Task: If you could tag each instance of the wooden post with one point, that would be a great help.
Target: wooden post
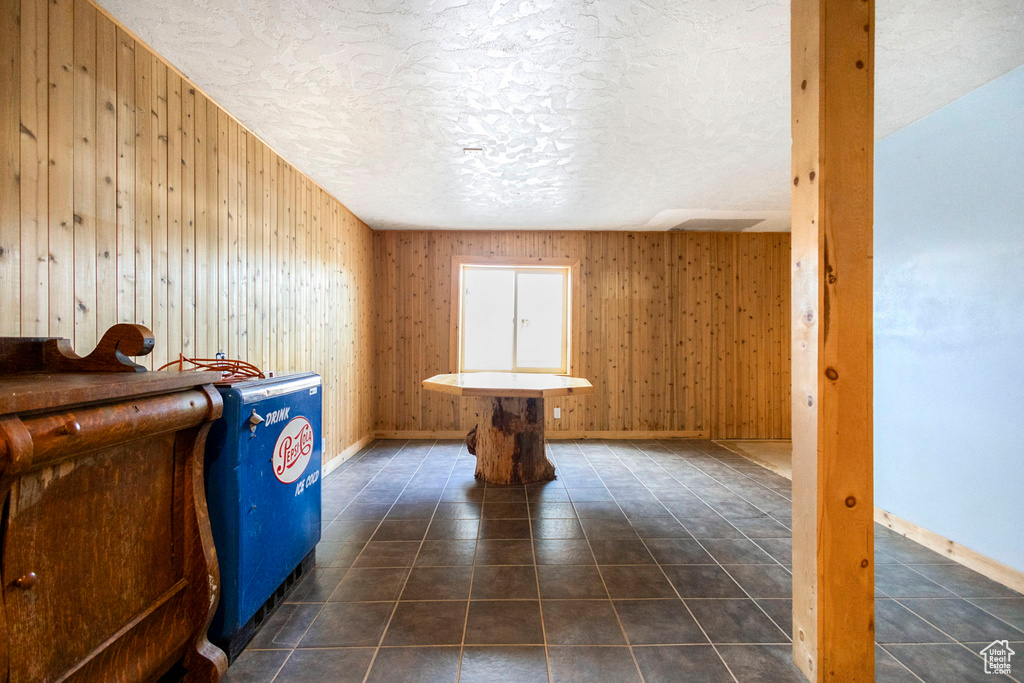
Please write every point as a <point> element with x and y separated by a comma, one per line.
<point>833,139</point>
<point>508,441</point>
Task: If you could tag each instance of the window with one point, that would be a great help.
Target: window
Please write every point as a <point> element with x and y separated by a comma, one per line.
<point>513,317</point>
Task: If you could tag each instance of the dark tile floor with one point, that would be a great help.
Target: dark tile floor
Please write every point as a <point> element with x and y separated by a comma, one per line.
<point>645,560</point>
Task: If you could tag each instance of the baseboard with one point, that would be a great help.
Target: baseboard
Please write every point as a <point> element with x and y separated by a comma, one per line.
<point>336,461</point>
<point>552,435</point>
<point>634,434</point>
<point>986,566</point>
<point>754,457</point>
<point>459,434</point>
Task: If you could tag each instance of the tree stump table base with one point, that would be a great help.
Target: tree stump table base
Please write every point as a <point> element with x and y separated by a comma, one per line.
<point>508,441</point>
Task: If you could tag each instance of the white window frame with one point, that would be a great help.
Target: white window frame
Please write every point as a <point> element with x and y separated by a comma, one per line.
<point>460,264</point>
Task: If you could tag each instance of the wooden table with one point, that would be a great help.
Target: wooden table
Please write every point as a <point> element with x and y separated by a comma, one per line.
<point>508,439</point>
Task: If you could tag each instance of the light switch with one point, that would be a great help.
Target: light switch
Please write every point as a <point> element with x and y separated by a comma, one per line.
<point>558,412</point>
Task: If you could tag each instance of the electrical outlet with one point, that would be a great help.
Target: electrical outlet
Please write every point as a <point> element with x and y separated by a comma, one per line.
<point>558,413</point>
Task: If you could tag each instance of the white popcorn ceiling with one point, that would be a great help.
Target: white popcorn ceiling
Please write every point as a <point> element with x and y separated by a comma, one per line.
<point>597,115</point>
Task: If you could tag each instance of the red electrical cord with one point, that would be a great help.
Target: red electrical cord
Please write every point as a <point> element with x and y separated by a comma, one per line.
<point>230,370</point>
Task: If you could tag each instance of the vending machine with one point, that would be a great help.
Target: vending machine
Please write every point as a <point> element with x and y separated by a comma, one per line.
<point>263,494</point>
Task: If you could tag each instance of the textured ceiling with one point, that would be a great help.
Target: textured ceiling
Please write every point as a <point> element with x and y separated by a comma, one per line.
<point>592,115</point>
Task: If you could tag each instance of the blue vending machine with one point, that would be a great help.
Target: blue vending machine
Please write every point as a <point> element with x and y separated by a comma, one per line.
<point>263,494</point>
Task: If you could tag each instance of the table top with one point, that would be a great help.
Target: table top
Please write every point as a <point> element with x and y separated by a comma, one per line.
<point>508,384</point>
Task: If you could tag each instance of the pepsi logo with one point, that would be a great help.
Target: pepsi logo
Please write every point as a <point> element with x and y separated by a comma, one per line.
<point>293,450</point>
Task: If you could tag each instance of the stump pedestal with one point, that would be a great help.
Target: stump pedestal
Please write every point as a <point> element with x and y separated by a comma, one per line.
<point>508,441</point>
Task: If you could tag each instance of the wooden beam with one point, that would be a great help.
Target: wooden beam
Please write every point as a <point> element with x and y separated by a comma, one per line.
<point>833,139</point>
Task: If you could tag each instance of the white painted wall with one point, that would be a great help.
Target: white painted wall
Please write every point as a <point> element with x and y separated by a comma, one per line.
<point>949,321</point>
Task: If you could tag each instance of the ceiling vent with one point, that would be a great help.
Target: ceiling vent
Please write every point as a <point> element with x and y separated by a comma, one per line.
<point>716,224</point>
<point>720,220</point>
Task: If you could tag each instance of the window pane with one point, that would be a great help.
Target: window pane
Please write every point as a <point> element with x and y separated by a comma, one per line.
<point>489,316</point>
<point>540,335</point>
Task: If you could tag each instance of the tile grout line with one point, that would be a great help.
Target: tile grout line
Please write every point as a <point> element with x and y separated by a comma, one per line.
<point>472,571</point>
<point>969,601</point>
<point>694,457</point>
<point>634,564</point>
<point>726,520</point>
<point>741,473</point>
<point>956,641</point>
<point>324,604</point>
<point>743,533</point>
<point>887,596</point>
<point>956,596</point>
<point>911,567</point>
<point>657,563</point>
<point>615,611</point>
<point>752,539</point>
<point>412,563</point>
<point>896,659</point>
<point>553,646</point>
<point>536,570</point>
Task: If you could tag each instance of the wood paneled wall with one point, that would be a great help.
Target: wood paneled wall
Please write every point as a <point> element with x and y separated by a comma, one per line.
<point>128,195</point>
<point>679,332</point>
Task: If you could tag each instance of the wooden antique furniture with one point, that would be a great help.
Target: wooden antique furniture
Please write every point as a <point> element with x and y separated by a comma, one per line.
<point>508,440</point>
<point>108,569</point>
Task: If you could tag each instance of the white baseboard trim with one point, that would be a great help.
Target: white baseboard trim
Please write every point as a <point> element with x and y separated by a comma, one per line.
<point>336,461</point>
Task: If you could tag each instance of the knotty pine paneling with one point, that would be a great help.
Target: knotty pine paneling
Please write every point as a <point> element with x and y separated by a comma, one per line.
<point>126,194</point>
<point>679,332</point>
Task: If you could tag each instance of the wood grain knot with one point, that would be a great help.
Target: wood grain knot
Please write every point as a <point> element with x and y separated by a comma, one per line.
<point>27,581</point>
